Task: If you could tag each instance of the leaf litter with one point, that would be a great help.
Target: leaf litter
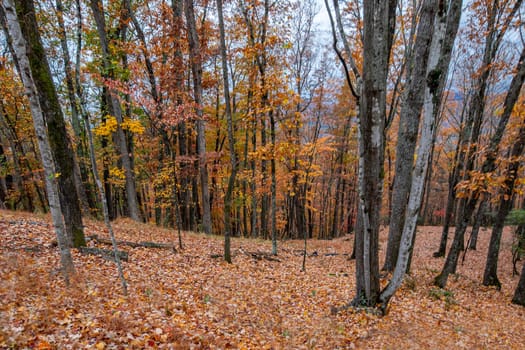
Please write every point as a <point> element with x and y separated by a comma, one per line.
<point>190,299</point>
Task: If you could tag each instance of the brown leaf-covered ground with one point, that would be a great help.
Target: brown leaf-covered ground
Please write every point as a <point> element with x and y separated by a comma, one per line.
<point>191,300</point>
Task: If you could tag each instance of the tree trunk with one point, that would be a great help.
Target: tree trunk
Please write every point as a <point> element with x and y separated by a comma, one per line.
<point>519,250</point>
<point>78,167</point>
<point>519,293</point>
<point>409,127</point>
<point>104,143</point>
<point>80,99</point>
<point>196,68</point>
<point>3,184</point>
<point>449,210</point>
<point>371,146</point>
<point>339,192</point>
<point>473,240</point>
<point>233,158</point>
<point>428,186</point>
<point>21,48</point>
<point>105,210</point>
<point>263,220</point>
<point>58,138</point>
<point>426,43</point>
<point>377,39</point>
<point>116,109</point>
<point>262,63</point>
<point>488,166</point>
<point>273,187</point>
<point>184,195</point>
<point>490,277</point>
<point>253,186</point>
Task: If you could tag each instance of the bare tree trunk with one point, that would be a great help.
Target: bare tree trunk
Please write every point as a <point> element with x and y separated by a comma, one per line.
<point>58,138</point>
<point>488,165</point>
<point>273,187</point>
<point>233,158</point>
<point>131,192</point>
<point>21,49</point>
<point>183,193</point>
<point>430,35</point>
<point>3,184</point>
<point>519,293</point>
<point>80,100</point>
<point>196,68</point>
<point>339,189</point>
<point>490,277</point>
<point>372,114</point>
<point>409,127</point>
<point>104,202</point>
<point>473,240</point>
<point>377,40</point>
<point>78,167</point>
<point>253,187</point>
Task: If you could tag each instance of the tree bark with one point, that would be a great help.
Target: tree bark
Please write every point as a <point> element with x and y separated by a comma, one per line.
<point>58,138</point>
<point>408,129</point>
<point>426,43</point>
<point>21,48</point>
<point>233,158</point>
<point>473,240</point>
<point>196,68</point>
<point>519,249</point>
<point>259,43</point>
<point>78,166</point>
<point>117,257</point>
<point>273,187</point>
<point>182,193</point>
<point>519,293</point>
<point>488,166</point>
<point>116,109</point>
<point>372,114</point>
<point>3,184</point>
<point>490,277</point>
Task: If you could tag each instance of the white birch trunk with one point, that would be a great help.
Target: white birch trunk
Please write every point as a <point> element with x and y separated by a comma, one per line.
<point>414,204</point>
<point>420,170</point>
<point>364,215</point>
<point>105,209</point>
<point>19,45</point>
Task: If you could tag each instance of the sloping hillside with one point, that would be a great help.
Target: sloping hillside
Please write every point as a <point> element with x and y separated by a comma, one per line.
<point>191,299</point>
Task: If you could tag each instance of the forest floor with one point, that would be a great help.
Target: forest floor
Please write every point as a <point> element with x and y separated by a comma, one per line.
<point>191,299</point>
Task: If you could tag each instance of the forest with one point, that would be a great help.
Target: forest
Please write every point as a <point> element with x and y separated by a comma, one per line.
<point>262,174</point>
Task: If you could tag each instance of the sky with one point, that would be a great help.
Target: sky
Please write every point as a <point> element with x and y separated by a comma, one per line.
<point>322,18</point>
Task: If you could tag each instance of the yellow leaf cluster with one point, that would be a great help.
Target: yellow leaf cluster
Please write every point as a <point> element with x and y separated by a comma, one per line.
<point>117,175</point>
<point>110,126</point>
<point>106,128</point>
<point>133,125</point>
<point>117,172</point>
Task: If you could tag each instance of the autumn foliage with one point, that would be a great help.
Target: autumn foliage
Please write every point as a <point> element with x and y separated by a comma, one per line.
<point>183,121</point>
